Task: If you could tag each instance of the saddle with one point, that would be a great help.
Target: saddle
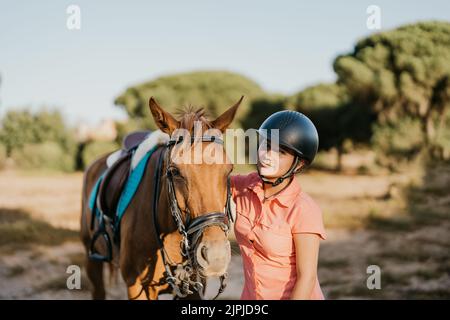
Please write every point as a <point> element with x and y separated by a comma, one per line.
<point>116,175</point>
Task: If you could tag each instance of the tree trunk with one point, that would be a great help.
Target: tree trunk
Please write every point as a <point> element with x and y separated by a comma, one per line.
<point>428,129</point>
<point>339,158</point>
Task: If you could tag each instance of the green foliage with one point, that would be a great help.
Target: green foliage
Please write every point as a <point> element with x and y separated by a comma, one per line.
<point>17,129</point>
<point>399,139</point>
<point>214,90</point>
<point>47,155</point>
<point>95,149</point>
<point>125,127</point>
<point>2,155</point>
<point>402,72</point>
<point>323,104</point>
<point>262,108</point>
<point>320,96</point>
<point>392,92</point>
<point>38,140</point>
<point>23,127</point>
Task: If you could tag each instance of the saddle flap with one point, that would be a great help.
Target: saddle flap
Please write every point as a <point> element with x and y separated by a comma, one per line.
<point>113,184</point>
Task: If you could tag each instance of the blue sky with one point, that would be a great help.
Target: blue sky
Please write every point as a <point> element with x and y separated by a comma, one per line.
<point>283,45</point>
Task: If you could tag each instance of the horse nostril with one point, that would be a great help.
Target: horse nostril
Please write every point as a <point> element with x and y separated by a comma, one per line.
<point>204,254</point>
<point>201,255</point>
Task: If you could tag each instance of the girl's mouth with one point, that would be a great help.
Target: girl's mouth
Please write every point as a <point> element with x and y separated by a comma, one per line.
<point>266,164</point>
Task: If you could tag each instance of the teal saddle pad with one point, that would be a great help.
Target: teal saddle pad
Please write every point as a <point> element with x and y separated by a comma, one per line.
<point>131,186</point>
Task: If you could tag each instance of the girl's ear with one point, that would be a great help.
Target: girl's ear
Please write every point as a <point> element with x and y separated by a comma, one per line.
<point>300,166</point>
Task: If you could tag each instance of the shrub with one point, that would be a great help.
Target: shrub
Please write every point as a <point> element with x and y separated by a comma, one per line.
<point>397,142</point>
<point>95,149</point>
<point>2,155</point>
<point>46,155</point>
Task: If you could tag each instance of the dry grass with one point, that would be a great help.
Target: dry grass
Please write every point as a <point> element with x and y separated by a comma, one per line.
<point>52,197</point>
<point>410,243</point>
<point>396,221</point>
<point>15,271</point>
<point>18,230</point>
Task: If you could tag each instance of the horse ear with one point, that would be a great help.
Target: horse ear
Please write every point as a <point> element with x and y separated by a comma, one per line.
<point>164,120</point>
<point>224,120</point>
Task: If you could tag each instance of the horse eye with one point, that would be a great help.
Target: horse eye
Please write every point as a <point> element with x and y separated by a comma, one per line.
<point>173,171</point>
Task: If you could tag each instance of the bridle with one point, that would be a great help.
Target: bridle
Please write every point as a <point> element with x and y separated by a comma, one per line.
<point>191,230</point>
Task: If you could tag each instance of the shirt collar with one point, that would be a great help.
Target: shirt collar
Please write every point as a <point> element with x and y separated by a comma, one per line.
<point>285,198</point>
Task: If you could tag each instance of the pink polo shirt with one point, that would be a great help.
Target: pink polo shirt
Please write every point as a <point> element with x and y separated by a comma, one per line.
<point>264,231</point>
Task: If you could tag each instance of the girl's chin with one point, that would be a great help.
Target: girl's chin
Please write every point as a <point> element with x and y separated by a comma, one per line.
<point>268,172</point>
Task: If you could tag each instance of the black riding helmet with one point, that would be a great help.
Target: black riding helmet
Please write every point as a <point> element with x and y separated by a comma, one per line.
<point>297,133</point>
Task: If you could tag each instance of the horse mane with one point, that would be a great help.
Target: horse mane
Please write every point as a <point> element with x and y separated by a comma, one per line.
<point>189,115</point>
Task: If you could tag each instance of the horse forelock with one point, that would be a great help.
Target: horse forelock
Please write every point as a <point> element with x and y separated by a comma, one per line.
<point>189,116</point>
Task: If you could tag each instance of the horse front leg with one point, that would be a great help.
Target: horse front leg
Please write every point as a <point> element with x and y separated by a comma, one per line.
<point>139,287</point>
<point>138,292</point>
<point>94,270</point>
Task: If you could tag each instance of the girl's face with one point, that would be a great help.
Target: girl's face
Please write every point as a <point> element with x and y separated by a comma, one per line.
<point>273,163</point>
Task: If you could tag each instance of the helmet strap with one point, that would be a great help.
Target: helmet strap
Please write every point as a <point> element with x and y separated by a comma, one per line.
<point>288,174</point>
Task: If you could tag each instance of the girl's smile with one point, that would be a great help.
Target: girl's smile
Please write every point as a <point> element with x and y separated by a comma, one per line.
<point>273,163</point>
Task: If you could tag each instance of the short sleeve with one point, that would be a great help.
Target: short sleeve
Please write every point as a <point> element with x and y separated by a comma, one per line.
<point>307,217</point>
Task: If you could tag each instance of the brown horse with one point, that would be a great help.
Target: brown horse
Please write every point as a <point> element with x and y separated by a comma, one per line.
<point>198,188</point>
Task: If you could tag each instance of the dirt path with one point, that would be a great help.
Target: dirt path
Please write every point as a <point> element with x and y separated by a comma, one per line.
<point>367,221</point>
<point>40,273</point>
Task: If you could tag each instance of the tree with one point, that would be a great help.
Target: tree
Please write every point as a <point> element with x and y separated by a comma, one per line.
<point>336,118</point>
<point>401,73</point>
<point>320,96</point>
<point>214,90</point>
<point>262,108</point>
<point>21,127</point>
<point>16,130</point>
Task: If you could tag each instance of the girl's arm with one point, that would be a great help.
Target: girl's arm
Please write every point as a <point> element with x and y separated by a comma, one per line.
<point>307,255</point>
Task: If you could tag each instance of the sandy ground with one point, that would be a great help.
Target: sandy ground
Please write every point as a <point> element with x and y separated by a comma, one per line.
<point>415,261</point>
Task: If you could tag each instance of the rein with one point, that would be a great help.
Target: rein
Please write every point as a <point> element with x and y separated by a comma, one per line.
<point>181,280</point>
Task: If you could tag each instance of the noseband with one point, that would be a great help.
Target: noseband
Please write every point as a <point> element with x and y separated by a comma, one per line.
<point>191,229</point>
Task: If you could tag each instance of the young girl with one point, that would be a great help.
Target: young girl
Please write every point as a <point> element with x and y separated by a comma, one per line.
<point>278,225</point>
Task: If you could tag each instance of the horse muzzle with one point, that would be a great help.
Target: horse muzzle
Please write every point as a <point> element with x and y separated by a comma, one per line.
<point>213,257</point>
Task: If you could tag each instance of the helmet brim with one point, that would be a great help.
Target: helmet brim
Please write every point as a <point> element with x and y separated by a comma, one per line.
<point>283,145</point>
